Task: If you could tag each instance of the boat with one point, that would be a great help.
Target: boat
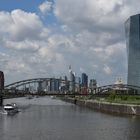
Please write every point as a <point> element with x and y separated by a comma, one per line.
<point>10,109</point>
<point>29,97</point>
<point>37,96</point>
<point>53,97</point>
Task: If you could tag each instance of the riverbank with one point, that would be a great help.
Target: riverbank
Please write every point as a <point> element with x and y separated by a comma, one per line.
<point>128,109</point>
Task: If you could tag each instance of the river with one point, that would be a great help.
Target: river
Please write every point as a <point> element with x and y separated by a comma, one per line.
<point>51,119</point>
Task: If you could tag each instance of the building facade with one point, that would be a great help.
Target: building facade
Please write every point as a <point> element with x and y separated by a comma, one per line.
<point>93,84</point>
<point>132,30</point>
<point>84,80</point>
<point>84,84</point>
<point>72,80</point>
<point>54,85</point>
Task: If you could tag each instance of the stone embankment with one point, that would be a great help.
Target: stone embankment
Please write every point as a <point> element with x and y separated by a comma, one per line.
<point>106,106</point>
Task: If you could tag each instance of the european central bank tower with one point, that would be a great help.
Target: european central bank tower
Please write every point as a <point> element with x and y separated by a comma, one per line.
<point>132,30</point>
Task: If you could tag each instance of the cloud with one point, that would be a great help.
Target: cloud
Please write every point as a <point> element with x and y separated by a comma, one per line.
<point>46,7</point>
<point>95,16</point>
<point>21,30</point>
<point>98,28</point>
<point>89,36</point>
<point>19,25</point>
<point>107,70</point>
<point>23,45</point>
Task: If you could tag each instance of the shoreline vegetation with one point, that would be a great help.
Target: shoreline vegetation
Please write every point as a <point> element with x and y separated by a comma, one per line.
<point>113,98</point>
<point>114,103</point>
<point>121,99</point>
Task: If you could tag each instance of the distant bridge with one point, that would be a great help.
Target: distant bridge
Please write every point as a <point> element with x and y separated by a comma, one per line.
<point>17,89</point>
<point>20,87</point>
<point>28,81</point>
<point>117,87</point>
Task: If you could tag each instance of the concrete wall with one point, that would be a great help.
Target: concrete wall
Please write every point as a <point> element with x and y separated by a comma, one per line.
<point>107,107</point>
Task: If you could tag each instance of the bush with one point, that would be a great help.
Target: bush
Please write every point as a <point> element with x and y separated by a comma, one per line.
<point>132,98</point>
<point>137,97</point>
<point>124,98</point>
<point>112,96</point>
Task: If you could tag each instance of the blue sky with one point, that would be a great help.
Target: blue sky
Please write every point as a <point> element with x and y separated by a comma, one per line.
<point>27,5</point>
<point>42,38</point>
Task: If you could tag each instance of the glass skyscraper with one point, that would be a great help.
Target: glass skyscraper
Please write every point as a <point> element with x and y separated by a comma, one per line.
<point>132,29</point>
<point>84,80</point>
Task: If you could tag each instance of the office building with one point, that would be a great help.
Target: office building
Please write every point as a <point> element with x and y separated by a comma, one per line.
<point>132,29</point>
<point>84,80</point>
<point>72,80</point>
<point>92,85</point>
<point>77,84</point>
<point>84,84</point>
<point>54,84</point>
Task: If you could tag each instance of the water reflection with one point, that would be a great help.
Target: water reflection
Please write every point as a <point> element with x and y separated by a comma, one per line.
<point>49,119</point>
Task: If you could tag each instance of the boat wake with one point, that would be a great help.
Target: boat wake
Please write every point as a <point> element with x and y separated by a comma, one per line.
<point>3,112</point>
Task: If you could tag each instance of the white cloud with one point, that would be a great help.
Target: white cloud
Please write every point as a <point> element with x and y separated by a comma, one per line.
<point>15,66</point>
<point>46,7</point>
<point>89,36</point>
<point>24,25</point>
<point>95,15</point>
<point>82,70</point>
<point>21,30</point>
<point>107,70</point>
<point>108,7</point>
<point>23,45</point>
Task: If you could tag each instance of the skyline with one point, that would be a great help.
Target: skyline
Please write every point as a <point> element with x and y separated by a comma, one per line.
<point>42,38</point>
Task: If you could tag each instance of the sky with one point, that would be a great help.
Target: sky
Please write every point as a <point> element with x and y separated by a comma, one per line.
<point>41,38</point>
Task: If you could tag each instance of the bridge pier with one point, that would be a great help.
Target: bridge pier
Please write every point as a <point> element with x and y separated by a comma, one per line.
<point>1,100</point>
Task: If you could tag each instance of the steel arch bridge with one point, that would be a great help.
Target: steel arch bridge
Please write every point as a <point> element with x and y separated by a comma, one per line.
<point>35,80</point>
<point>23,87</point>
<point>123,88</point>
<point>96,91</point>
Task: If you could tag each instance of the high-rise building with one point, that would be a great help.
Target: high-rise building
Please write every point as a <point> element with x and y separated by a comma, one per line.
<point>66,83</point>
<point>92,84</point>
<point>1,80</point>
<point>39,86</point>
<point>84,84</point>
<point>54,84</point>
<point>132,29</point>
<point>72,80</point>
<point>84,80</point>
<point>77,84</point>
<point>44,85</point>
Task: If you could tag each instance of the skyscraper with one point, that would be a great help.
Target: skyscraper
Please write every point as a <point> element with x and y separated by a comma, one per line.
<point>132,29</point>
<point>1,80</point>
<point>54,84</point>
<point>92,85</point>
<point>72,80</point>
<point>84,84</point>
<point>84,80</point>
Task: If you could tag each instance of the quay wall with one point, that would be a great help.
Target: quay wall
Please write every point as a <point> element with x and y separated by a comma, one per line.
<point>106,106</point>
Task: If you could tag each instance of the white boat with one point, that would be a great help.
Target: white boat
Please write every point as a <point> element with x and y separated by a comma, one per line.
<point>53,97</point>
<point>10,109</point>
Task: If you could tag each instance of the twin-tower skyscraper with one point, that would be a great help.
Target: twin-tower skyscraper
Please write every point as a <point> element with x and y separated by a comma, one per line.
<point>132,30</point>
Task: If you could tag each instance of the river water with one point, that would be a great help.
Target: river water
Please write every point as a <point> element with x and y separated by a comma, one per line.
<point>51,119</point>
